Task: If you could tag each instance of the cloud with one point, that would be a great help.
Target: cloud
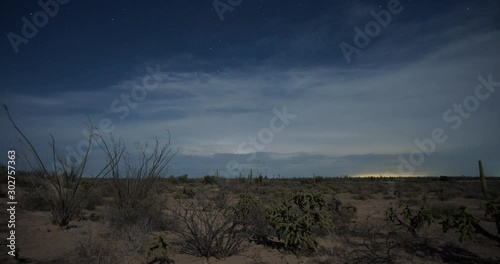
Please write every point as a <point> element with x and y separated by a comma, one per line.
<point>352,119</point>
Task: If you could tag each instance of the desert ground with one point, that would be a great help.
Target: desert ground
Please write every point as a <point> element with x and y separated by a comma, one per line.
<point>348,224</point>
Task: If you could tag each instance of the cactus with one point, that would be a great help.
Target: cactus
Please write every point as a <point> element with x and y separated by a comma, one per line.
<point>412,220</point>
<point>483,180</point>
<point>461,220</point>
<point>296,220</point>
<point>468,224</point>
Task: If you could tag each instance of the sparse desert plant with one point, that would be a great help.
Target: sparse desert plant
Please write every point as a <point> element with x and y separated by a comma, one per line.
<point>59,185</point>
<point>468,224</point>
<point>440,209</point>
<point>343,214</point>
<point>210,179</point>
<point>133,178</point>
<point>363,196</point>
<point>251,211</point>
<point>32,200</point>
<point>369,243</point>
<point>93,198</point>
<point>189,192</point>
<point>447,192</point>
<point>157,250</point>
<point>210,226</point>
<point>408,218</point>
<point>92,248</point>
<point>133,181</point>
<point>388,197</point>
<point>296,220</point>
<point>412,201</point>
<point>461,220</point>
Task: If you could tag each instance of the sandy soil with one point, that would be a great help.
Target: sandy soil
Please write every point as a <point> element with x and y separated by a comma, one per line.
<point>39,241</point>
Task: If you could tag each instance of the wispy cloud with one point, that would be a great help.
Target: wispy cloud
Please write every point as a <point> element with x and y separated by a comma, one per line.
<point>350,119</point>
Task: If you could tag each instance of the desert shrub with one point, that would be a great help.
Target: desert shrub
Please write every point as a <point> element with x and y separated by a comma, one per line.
<point>411,201</point>
<point>60,188</point>
<point>461,220</point>
<point>445,193</point>
<point>32,201</point>
<point>438,210</point>
<point>147,213</point>
<point>407,189</point>
<point>468,224</point>
<point>178,180</point>
<point>189,192</point>
<point>94,249</point>
<point>251,211</point>
<point>408,218</point>
<point>157,250</point>
<point>210,180</point>
<point>362,195</point>
<point>296,220</point>
<point>135,180</point>
<point>368,243</point>
<point>210,226</point>
<point>93,200</point>
<point>342,214</point>
<point>377,187</point>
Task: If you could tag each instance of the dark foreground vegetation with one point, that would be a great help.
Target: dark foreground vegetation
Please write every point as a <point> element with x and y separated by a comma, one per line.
<point>131,212</point>
<point>321,220</point>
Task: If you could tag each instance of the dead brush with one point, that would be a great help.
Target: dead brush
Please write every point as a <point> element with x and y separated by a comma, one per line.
<point>209,226</point>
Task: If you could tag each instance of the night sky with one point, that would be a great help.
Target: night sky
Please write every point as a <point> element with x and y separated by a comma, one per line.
<point>290,88</point>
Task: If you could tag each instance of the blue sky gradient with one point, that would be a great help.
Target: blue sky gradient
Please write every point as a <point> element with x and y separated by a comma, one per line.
<point>219,82</point>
